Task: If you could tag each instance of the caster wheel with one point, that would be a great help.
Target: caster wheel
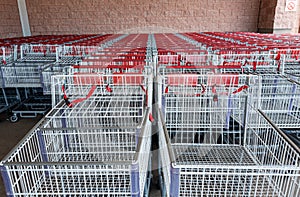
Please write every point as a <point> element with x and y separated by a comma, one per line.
<point>14,118</point>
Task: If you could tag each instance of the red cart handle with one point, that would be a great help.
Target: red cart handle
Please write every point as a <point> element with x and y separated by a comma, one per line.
<point>72,103</point>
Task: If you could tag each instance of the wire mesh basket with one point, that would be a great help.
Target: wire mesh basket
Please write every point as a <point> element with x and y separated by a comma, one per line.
<point>263,164</point>
<point>102,161</point>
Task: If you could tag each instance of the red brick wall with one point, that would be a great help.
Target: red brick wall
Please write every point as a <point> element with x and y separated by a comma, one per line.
<point>131,16</point>
<point>297,23</point>
<point>284,21</point>
<point>10,25</point>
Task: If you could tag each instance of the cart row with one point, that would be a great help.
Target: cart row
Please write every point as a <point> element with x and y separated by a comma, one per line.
<point>99,145</point>
<point>218,133</point>
<point>220,122</point>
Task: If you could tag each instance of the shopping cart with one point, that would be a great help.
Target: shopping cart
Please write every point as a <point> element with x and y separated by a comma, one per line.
<point>263,164</point>
<point>85,161</point>
<point>291,55</point>
<point>62,67</point>
<point>213,141</point>
<point>252,61</point>
<point>38,52</point>
<point>21,74</point>
<point>200,64</point>
<point>28,79</point>
<point>186,98</point>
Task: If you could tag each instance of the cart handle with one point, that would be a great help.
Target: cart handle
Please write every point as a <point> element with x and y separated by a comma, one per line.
<point>79,100</point>
<point>277,58</point>
<point>240,89</point>
<point>214,91</point>
<point>108,89</point>
<point>224,66</point>
<point>197,94</point>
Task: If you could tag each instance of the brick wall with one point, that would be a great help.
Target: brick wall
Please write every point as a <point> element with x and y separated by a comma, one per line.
<point>297,24</point>
<point>296,19</point>
<point>132,16</point>
<point>10,25</point>
<point>284,21</point>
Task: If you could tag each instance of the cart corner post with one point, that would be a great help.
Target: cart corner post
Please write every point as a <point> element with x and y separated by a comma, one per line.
<point>6,181</point>
<point>175,173</point>
<point>135,184</point>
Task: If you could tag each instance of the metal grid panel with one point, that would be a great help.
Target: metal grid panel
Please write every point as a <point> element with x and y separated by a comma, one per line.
<point>22,74</point>
<point>99,110</point>
<point>280,100</point>
<point>215,155</point>
<point>213,182</point>
<point>59,68</point>
<point>293,74</point>
<point>90,145</point>
<point>207,108</point>
<point>255,62</point>
<point>38,52</point>
<point>120,96</point>
<point>63,179</point>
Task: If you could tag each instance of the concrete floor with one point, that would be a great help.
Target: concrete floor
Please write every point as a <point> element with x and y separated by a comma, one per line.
<point>12,133</point>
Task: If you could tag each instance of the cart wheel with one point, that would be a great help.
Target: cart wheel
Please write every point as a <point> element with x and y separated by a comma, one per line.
<point>14,118</point>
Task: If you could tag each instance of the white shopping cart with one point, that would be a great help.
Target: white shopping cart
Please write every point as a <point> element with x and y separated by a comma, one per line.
<point>94,161</point>
<point>213,141</point>
<point>263,164</point>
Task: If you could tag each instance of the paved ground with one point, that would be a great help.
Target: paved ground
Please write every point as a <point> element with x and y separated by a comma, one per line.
<point>12,133</point>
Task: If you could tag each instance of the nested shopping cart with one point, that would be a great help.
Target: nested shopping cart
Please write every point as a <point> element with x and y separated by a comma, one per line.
<point>28,79</point>
<point>179,93</point>
<point>187,63</point>
<point>25,73</point>
<point>263,164</point>
<point>252,61</point>
<point>98,161</point>
<point>210,144</point>
<point>21,74</point>
<point>90,88</point>
<point>38,52</point>
<point>94,142</point>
